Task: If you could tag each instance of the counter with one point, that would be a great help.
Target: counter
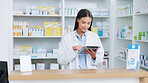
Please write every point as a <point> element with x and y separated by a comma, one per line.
<point>78,75</point>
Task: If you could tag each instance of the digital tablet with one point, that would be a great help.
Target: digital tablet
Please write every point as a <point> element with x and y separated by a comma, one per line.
<point>94,48</point>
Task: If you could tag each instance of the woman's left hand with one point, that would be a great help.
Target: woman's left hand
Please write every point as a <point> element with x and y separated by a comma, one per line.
<point>91,52</point>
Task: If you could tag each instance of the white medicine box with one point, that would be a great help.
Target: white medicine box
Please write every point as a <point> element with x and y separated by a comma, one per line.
<point>54,66</point>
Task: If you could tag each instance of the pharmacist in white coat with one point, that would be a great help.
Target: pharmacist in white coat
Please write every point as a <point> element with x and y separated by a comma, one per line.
<point>73,42</point>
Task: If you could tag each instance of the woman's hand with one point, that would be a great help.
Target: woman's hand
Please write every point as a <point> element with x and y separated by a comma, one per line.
<point>91,52</point>
<point>78,47</point>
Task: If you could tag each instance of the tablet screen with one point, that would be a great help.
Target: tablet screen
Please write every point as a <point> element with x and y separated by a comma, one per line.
<point>94,48</point>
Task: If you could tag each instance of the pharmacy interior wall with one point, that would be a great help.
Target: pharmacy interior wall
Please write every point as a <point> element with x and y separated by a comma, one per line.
<point>5,32</point>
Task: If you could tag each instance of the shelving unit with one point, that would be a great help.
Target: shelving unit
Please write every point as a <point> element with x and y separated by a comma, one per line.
<point>74,16</point>
<point>39,58</point>
<point>144,67</point>
<point>37,37</point>
<point>124,61</point>
<point>141,41</point>
<point>37,15</point>
<point>112,44</point>
<point>104,37</point>
<point>120,59</point>
<point>46,42</point>
<point>138,23</point>
<point>87,4</point>
<point>121,43</point>
<point>141,25</point>
<point>51,42</point>
<point>125,16</point>
<point>124,39</point>
<point>140,14</point>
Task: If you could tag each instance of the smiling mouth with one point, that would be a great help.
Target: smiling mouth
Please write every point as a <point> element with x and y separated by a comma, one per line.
<point>84,28</point>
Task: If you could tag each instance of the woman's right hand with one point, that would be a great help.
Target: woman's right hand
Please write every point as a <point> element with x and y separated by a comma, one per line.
<point>78,47</point>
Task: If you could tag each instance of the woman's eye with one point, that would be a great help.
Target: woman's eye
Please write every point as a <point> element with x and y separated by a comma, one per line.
<point>83,22</point>
<point>89,23</point>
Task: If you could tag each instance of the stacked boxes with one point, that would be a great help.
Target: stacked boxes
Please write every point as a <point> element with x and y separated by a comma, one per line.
<point>95,12</point>
<point>22,50</point>
<point>40,66</point>
<point>142,10</point>
<point>58,29</point>
<point>46,10</point>
<point>48,27</point>
<point>18,67</point>
<point>100,12</point>
<point>25,28</point>
<point>141,36</point>
<point>54,66</point>
<point>126,32</point>
<point>20,29</point>
<point>17,31</point>
<point>68,29</point>
<point>53,29</point>
<point>124,10</point>
<point>37,10</point>
<point>103,29</point>
<point>71,11</point>
<point>39,31</point>
<point>95,29</point>
<point>34,52</point>
<point>143,60</point>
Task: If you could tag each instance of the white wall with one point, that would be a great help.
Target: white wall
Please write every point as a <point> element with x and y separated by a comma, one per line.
<point>4,30</point>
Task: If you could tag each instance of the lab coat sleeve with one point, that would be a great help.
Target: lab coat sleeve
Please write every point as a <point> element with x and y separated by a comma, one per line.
<point>65,53</point>
<point>99,54</point>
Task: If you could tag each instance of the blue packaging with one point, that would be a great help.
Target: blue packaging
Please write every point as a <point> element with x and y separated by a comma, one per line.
<point>100,32</point>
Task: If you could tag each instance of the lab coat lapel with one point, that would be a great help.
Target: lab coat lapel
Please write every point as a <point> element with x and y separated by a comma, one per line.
<point>87,39</point>
<point>76,42</point>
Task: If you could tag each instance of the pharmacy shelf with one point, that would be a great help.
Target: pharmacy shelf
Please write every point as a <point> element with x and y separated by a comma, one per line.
<point>124,16</point>
<point>37,37</point>
<point>47,37</point>
<point>93,16</point>
<point>37,15</point>
<point>104,37</point>
<point>144,67</point>
<point>48,57</point>
<point>38,58</point>
<point>141,14</point>
<point>124,39</point>
<point>141,40</point>
<point>70,15</point>
<point>120,59</point>
<point>101,16</point>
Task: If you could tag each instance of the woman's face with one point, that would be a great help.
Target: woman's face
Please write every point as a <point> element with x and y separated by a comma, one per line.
<point>84,23</point>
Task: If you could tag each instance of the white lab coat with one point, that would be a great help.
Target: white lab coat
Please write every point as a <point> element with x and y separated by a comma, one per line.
<point>69,58</point>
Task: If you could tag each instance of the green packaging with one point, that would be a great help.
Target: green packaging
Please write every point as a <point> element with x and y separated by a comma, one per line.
<point>135,37</point>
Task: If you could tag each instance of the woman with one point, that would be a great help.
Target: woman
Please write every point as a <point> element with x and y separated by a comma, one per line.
<point>73,42</point>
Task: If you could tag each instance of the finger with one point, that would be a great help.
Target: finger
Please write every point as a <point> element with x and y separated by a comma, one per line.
<point>92,50</point>
<point>88,51</point>
<point>96,51</point>
<point>85,52</point>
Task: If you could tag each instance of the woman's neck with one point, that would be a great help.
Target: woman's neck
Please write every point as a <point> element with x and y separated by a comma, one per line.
<point>80,33</point>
